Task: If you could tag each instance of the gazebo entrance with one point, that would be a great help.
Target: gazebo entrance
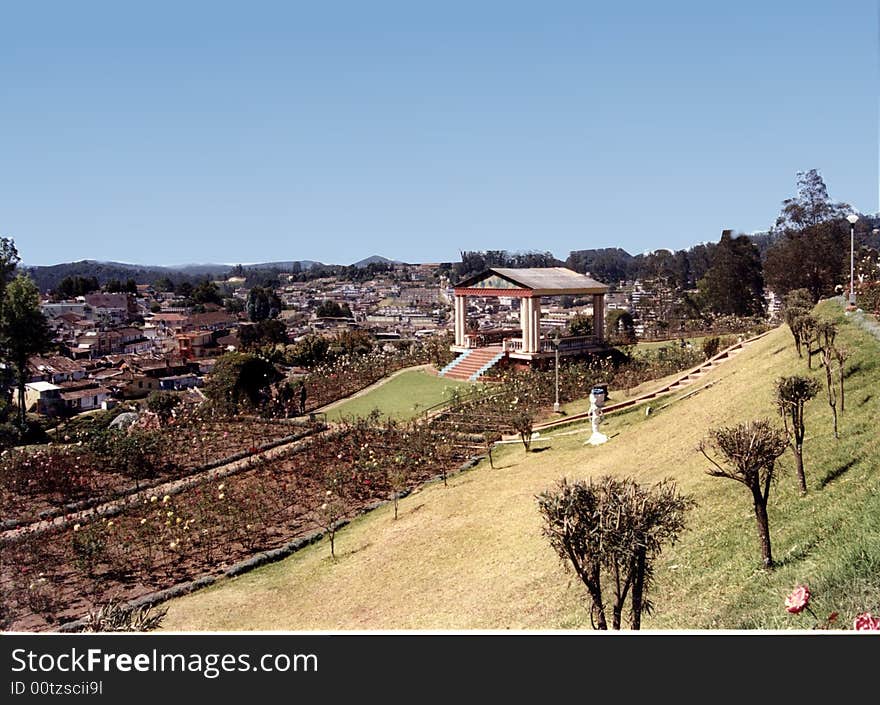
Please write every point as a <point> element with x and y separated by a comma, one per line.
<point>527,343</point>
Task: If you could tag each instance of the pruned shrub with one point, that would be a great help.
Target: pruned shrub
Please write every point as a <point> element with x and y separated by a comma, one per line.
<point>711,346</point>
<point>609,532</point>
<point>115,616</point>
<point>747,453</point>
<point>792,393</point>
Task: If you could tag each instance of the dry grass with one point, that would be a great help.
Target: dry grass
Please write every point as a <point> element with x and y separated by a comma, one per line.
<point>472,555</point>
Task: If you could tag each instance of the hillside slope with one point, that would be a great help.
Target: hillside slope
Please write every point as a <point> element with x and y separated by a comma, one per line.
<point>472,555</point>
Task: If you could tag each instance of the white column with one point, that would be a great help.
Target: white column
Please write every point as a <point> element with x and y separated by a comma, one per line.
<point>463,323</point>
<point>528,339</point>
<point>599,317</point>
<point>523,320</point>
<point>536,324</point>
<point>462,319</point>
<point>455,318</point>
<point>460,314</point>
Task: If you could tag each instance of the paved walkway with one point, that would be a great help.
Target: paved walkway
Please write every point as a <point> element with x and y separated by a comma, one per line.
<point>863,320</point>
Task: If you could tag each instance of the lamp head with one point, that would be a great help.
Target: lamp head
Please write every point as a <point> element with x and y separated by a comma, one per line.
<point>852,218</point>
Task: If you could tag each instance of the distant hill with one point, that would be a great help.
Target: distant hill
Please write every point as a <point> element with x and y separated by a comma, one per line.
<point>48,277</point>
<point>196,269</point>
<point>285,266</point>
<point>374,259</point>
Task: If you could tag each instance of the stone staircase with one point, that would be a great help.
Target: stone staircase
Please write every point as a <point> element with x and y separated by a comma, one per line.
<point>473,363</point>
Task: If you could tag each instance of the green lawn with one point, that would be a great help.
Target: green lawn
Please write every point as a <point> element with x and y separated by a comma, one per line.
<point>471,555</point>
<point>401,397</point>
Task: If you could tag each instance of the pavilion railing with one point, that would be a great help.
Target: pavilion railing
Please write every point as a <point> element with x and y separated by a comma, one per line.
<point>579,342</point>
<point>490,337</point>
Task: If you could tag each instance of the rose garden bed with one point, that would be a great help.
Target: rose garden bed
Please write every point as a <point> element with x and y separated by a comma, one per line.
<point>56,576</point>
<point>36,483</point>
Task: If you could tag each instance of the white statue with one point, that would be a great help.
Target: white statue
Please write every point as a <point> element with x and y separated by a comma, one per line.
<point>597,401</point>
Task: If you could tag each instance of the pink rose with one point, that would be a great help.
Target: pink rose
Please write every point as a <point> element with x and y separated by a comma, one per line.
<point>798,599</point>
<point>866,623</point>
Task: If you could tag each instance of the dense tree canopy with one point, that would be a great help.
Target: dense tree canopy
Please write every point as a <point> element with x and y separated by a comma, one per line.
<point>811,250</point>
<point>734,285</point>
<point>207,292</point>
<point>23,331</point>
<point>810,206</point>
<point>9,260</point>
<point>262,304</point>
<point>475,262</point>
<point>116,286</point>
<point>331,309</point>
<point>71,287</point>
<point>268,332</point>
<point>240,381</point>
<point>815,259</point>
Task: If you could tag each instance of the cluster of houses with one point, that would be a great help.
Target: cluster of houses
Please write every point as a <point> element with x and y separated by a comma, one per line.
<point>397,304</point>
<point>59,385</point>
<point>119,346</point>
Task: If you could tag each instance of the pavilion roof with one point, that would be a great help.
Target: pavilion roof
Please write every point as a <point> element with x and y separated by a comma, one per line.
<point>541,281</point>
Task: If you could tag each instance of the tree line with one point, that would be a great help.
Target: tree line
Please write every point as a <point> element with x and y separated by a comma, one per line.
<point>806,248</point>
<point>24,332</point>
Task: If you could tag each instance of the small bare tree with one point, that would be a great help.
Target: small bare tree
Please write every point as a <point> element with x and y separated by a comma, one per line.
<point>841,354</point>
<point>398,478</point>
<point>797,303</point>
<point>792,393</point>
<point>750,451</point>
<point>490,437</point>
<point>617,527</point>
<point>827,357</point>
<point>825,333</point>
<point>793,319</point>
<point>328,515</point>
<point>808,327</point>
<point>570,515</point>
<point>523,423</point>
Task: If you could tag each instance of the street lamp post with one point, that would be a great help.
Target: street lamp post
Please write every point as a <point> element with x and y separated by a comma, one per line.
<point>555,340</point>
<point>853,219</point>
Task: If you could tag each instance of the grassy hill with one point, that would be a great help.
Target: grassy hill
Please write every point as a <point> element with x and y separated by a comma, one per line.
<point>472,555</point>
<point>401,397</point>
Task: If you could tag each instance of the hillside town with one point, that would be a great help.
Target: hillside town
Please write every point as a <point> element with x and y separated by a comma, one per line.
<point>165,427</point>
<point>114,345</point>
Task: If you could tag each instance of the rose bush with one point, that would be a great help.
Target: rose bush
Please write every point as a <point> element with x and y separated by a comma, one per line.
<point>866,623</point>
<point>798,600</point>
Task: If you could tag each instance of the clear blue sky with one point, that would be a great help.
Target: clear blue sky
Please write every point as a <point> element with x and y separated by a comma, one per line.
<point>172,132</point>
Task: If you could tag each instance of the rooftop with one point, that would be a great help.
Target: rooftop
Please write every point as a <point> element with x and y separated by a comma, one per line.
<point>542,281</point>
<point>83,393</point>
<point>42,386</point>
